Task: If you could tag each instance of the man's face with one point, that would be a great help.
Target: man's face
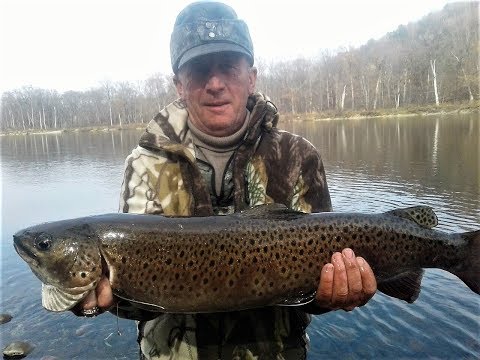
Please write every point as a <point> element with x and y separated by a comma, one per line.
<point>215,88</point>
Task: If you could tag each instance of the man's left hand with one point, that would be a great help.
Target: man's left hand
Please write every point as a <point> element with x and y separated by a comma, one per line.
<point>345,283</point>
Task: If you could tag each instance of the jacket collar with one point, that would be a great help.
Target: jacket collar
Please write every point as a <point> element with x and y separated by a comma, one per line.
<point>168,131</point>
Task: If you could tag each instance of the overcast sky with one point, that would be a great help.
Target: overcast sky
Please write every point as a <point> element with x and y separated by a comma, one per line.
<point>75,44</point>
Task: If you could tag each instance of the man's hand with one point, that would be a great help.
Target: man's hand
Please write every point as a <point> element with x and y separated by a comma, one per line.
<point>346,282</point>
<point>97,301</point>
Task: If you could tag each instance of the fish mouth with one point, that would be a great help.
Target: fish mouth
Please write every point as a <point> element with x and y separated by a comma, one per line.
<point>26,254</point>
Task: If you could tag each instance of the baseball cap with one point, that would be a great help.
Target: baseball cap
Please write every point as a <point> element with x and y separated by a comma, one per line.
<point>207,27</point>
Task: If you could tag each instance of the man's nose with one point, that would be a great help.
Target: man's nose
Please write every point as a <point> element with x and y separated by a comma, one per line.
<point>215,81</point>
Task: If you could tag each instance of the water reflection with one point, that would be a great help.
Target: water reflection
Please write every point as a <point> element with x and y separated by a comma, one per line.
<point>60,146</point>
<point>399,161</point>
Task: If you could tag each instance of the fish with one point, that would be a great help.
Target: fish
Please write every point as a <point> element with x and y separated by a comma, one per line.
<point>267,255</point>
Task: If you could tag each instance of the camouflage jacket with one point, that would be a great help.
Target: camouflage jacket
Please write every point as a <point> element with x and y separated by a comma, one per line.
<point>162,176</point>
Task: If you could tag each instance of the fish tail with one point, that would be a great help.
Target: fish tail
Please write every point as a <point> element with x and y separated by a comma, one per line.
<point>469,269</point>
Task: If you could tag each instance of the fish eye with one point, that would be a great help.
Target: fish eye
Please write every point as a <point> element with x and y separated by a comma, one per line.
<point>43,242</point>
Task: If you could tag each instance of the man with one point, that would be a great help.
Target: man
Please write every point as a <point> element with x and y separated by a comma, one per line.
<point>214,151</point>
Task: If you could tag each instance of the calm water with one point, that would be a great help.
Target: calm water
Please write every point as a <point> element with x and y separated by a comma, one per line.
<point>372,165</point>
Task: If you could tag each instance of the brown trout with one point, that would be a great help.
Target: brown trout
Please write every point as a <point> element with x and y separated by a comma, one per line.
<point>264,256</point>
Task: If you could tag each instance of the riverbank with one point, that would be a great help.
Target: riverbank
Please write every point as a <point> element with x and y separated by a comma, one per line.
<point>427,110</point>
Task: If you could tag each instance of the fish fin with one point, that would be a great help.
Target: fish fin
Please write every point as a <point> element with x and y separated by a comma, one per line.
<point>422,215</point>
<point>272,211</point>
<point>405,286</point>
<point>469,269</point>
<point>55,299</point>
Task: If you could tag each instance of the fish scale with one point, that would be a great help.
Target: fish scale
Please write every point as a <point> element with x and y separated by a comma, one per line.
<point>267,255</point>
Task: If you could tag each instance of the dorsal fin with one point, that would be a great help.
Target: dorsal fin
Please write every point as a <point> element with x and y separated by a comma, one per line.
<point>272,211</point>
<point>422,215</point>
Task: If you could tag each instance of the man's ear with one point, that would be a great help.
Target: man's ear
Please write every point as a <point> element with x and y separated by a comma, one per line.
<point>179,86</point>
<point>252,75</point>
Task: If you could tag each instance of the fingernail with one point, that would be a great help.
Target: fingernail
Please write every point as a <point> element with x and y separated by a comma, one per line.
<point>336,257</point>
<point>361,263</point>
<point>348,253</point>
<point>328,268</point>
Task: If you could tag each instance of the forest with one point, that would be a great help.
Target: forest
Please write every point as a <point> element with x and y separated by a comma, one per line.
<point>433,61</point>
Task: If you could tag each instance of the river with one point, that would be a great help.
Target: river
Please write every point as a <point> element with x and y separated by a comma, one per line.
<point>372,165</point>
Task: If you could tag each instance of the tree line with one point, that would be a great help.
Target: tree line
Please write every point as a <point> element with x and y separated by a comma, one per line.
<point>431,61</point>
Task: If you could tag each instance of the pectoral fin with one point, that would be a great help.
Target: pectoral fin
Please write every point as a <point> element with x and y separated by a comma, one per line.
<point>55,299</point>
<point>405,286</point>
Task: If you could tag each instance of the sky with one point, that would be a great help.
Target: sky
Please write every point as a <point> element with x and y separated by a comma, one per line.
<point>77,44</point>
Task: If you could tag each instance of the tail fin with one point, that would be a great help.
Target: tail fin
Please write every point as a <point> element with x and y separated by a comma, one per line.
<point>469,270</point>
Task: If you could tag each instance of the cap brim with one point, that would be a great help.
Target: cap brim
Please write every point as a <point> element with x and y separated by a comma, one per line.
<point>211,48</point>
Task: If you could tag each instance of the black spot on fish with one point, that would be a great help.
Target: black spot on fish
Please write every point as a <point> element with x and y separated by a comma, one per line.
<point>154,277</point>
<point>301,252</point>
<point>145,265</point>
<point>270,284</point>
<point>177,275</point>
<point>124,260</point>
<point>254,259</point>
<point>168,261</point>
<point>212,263</point>
<point>194,277</point>
<point>205,281</point>
<point>222,247</point>
<point>83,275</point>
<point>230,261</point>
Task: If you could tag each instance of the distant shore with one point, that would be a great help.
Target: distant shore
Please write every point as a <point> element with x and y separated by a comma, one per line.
<point>428,110</point>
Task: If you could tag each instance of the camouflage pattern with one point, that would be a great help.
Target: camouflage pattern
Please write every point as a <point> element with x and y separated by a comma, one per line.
<point>208,27</point>
<point>163,177</point>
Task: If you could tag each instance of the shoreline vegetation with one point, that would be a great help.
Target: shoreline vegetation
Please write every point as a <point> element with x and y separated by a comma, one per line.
<point>426,110</point>
<point>425,67</point>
